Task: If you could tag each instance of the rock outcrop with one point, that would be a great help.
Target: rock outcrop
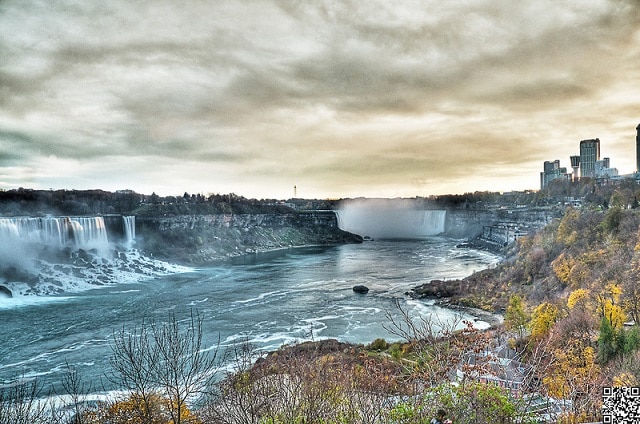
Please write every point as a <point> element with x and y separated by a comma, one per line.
<point>436,289</point>
<point>204,239</point>
<point>472,223</point>
<point>5,292</point>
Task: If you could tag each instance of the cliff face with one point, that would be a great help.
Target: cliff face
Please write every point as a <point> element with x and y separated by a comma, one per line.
<point>502,224</point>
<point>202,239</point>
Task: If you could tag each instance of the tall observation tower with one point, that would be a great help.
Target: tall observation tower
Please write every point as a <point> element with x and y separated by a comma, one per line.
<point>575,164</point>
<point>638,148</point>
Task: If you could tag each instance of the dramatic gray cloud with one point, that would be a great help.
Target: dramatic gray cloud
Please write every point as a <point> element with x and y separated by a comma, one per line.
<point>342,99</point>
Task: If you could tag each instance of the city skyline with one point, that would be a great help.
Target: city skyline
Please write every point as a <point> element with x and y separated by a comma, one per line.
<point>587,164</point>
<point>337,99</point>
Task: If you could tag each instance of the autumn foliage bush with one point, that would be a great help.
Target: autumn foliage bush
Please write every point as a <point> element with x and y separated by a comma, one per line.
<point>583,302</point>
<point>136,410</point>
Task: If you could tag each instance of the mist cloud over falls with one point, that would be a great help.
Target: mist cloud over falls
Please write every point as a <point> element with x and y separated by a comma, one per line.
<point>390,219</point>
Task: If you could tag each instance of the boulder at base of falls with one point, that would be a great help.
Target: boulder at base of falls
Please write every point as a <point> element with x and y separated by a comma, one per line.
<point>361,289</point>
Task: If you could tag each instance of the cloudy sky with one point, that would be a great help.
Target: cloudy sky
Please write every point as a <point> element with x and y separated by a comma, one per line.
<point>371,98</point>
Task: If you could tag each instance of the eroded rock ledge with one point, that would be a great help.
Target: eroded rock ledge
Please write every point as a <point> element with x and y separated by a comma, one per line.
<point>203,239</point>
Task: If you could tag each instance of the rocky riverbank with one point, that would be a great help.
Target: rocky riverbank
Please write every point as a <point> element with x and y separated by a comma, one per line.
<point>455,295</point>
<point>491,318</point>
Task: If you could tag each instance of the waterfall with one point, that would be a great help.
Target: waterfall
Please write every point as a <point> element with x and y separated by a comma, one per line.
<point>390,220</point>
<point>53,231</point>
<point>78,232</point>
<point>90,232</point>
<point>434,221</point>
<point>8,230</point>
<point>129,224</point>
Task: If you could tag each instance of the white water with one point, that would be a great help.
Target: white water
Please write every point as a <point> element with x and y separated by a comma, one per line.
<point>46,256</point>
<point>302,295</point>
<point>61,232</point>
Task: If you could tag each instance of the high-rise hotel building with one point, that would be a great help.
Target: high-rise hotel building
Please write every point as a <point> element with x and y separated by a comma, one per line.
<point>589,154</point>
<point>638,149</point>
<point>552,171</point>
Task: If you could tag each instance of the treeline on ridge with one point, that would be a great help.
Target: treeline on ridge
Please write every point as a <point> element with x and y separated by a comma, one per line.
<point>24,201</point>
<point>97,202</point>
<point>127,202</point>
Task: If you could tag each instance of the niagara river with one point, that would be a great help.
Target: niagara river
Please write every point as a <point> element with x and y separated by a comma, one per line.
<point>297,295</point>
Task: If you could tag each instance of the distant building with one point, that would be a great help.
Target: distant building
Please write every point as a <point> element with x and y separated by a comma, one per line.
<point>638,149</point>
<point>575,164</point>
<point>603,169</point>
<point>589,154</point>
<point>498,366</point>
<point>589,164</point>
<point>552,171</point>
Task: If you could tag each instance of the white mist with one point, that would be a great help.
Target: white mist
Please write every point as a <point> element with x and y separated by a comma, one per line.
<point>389,219</point>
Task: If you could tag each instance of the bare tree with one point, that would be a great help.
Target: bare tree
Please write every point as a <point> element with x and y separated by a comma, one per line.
<point>324,381</point>
<point>77,390</point>
<point>240,397</point>
<point>133,356</point>
<point>183,368</point>
<point>21,403</point>
<point>165,359</point>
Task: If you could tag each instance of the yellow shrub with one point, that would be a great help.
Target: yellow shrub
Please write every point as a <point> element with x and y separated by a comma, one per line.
<point>542,319</point>
<point>562,266</point>
<point>580,299</point>
<point>136,410</point>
